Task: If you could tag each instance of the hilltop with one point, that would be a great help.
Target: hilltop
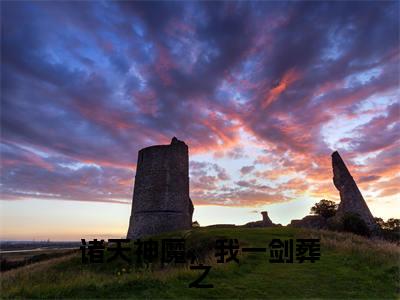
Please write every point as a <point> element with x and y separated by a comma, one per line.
<point>350,267</point>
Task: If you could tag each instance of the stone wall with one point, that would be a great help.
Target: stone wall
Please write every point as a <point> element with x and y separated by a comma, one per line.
<point>161,200</point>
<point>315,222</point>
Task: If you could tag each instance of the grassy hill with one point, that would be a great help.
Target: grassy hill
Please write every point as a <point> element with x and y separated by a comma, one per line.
<point>350,267</point>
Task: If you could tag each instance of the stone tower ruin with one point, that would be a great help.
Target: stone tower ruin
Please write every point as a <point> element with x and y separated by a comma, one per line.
<point>161,201</point>
<point>351,200</point>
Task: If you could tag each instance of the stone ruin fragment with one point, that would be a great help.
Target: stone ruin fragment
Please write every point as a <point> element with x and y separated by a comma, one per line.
<point>265,222</point>
<point>351,200</point>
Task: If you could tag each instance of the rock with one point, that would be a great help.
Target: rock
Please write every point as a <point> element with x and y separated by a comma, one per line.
<point>161,201</point>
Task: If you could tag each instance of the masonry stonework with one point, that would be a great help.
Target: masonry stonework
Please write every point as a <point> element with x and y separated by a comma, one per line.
<point>161,201</point>
<point>351,200</point>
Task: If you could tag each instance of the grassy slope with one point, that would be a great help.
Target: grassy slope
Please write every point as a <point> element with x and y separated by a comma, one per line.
<point>350,267</point>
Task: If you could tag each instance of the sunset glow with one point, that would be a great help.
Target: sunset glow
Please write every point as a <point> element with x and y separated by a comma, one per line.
<point>261,92</point>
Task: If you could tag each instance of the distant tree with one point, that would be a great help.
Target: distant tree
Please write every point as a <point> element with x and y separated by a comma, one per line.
<point>390,230</point>
<point>195,224</point>
<point>352,222</point>
<point>380,222</point>
<point>393,224</point>
<point>324,208</point>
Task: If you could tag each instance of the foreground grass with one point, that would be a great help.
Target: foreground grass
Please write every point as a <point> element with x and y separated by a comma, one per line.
<point>12,260</point>
<point>350,267</point>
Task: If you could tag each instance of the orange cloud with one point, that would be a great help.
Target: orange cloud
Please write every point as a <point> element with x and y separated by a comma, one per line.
<point>289,77</point>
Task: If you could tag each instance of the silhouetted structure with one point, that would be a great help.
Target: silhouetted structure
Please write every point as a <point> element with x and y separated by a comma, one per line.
<point>351,200</point>
<point>316,222</point>
<point>161,199</point>
<point>265,222</point>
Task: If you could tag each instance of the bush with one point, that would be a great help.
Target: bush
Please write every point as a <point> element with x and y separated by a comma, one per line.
<point>335,224</point>
<point>352,222</point>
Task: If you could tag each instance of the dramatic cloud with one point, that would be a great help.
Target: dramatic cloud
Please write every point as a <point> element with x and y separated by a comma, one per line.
<point>262,92</point>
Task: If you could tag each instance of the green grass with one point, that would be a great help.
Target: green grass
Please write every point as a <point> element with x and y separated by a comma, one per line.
<point>350,267</point>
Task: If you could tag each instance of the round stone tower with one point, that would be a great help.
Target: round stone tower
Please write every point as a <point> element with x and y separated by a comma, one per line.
<point>161,200</point>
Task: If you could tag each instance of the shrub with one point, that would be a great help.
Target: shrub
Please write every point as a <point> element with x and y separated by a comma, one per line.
<point>335,224</point>
<point>352,222</point>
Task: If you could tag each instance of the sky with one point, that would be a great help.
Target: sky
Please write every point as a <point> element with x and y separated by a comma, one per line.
<point>261,92</point>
